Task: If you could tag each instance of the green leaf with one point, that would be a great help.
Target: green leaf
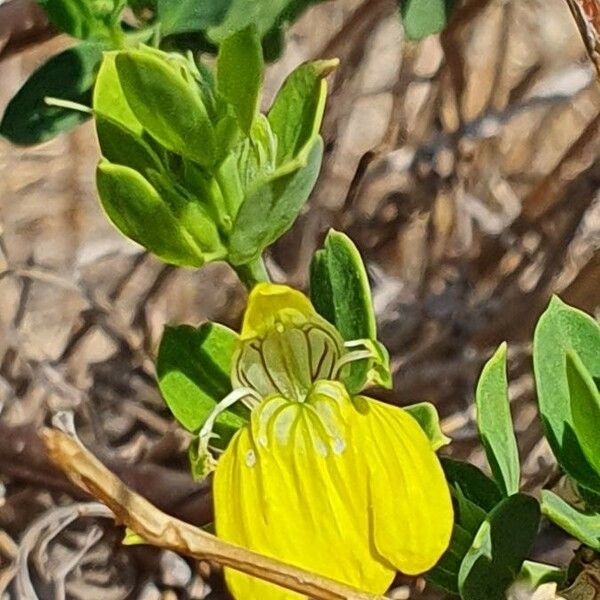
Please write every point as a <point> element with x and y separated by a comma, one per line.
<point>137,210</point>
<point>340,292</point>
<point>584,527</point>
<point>131,538</point>
<point>69,76</point>
<point>474,494</point>
<point>241,13</point>
<point>473,483</point>
<point>427,416</point>
<point>121,146</point>
<point>495,423</point>
<point>470,515</point>
<point>340,289</point>
<point>109,98</point>
<point>271,206</point>
<point>297,111</point>
<point>187,16</point>
<point>193,368</point>
<point>216,20</point>
<point>240,68</point>
<point>254,157</point>
<point>560,329</point>
<point>168,105</point>
<point>585,407</point>
<point>378,370</point>
<point>499,548</point>
<point>445,574</point>
<point>424,17</point>
<point>191,214</point>
<point>83,19</point>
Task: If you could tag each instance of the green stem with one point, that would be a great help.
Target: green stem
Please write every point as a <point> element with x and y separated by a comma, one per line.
<point>252,273</point>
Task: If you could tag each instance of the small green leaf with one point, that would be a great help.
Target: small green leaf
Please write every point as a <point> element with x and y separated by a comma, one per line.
<point>137,210</point>
<point>297,111</point>
<point>585,407</point>
<point>70,75</point>
<point>132,538</point>
<point>445,574</point>
<point>109,98</point>
<point>499,548</point>
<point>254,157</point>
<point>168,105</point>
<point>193,368</point>
<point>560,329</point>
<point>191,214</point>
<point>473,483</point>
<point>495,423</point>
<point>340,292</point>
<point>427,416</point>
<point>123,147</point>
<point>475,495</point>
<point>187,16</point>
<point>240,68</point>
<point>443,578</point>
<point>424,17</point>
<point>379,371</point>
<point>340,288</point>
<point>271,206</point>
<point>584,527</point>
<point>83,19</point>
<point>241,13</point>
<point>469,515</point>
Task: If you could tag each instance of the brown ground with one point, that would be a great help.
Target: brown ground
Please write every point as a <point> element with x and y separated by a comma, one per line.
<point>466,170</point>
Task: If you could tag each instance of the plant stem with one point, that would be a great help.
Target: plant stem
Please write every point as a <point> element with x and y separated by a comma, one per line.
<point>252,273</point>
<point>164,531</point>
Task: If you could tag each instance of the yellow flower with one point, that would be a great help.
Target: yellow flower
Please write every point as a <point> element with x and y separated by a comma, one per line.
<point>346,487</point>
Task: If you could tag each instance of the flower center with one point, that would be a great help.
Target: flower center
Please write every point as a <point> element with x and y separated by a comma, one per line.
<point>289,358</point>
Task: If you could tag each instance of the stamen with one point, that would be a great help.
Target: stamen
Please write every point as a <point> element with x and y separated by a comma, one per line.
<point>247,395</point>
<point>69,104</point>
<point>351,357</point>
<point>354,344</point>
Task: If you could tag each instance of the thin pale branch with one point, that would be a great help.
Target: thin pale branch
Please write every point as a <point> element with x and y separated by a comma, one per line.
<point>587,17</point>
<point>159,529</point>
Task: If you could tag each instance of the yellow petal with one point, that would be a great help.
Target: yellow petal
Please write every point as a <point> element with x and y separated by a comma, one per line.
<point>266,300</point>
<point>411,504</point>
<point>291,487</point>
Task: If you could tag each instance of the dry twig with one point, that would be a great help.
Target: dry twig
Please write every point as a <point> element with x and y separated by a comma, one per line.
<point>159,529</point>
<point>587,17</point>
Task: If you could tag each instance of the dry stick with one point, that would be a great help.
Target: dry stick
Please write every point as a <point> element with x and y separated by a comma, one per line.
<point>162,530</point>
<point>582,151</point>
<point>587,17</point>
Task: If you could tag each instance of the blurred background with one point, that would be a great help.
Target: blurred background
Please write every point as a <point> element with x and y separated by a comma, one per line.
<point>464,167</point>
